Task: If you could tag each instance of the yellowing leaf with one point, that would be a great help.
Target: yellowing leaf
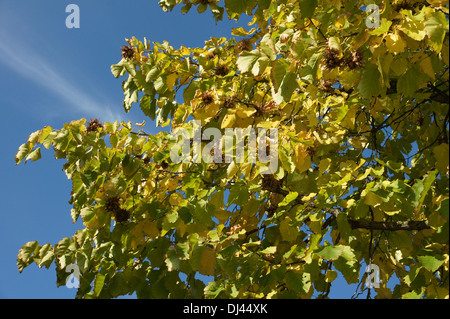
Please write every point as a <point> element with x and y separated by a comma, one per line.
<point>171,184</point>
<point>349,78</point>
<point>289,198</point>
<point>372,199</point>
<point>413,26</point>
<point>358,142</point>
<point>149,228</point>
<point>438,3</point>
<point>441,155</point>
<point>222,215</point>
<point>241,32</point>
<point>330,276</point>
<point>289,233</point>
<point>177,200</point>
<point>390,209</point>
<point>427,67</point>
<point>324,165</point>
<point>394,43</point>
<point>269,250</point>
<point>170,81</point>
<point>207,262</point>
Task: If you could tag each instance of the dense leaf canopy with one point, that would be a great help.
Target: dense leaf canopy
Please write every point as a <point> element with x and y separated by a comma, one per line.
<point>363,126</point>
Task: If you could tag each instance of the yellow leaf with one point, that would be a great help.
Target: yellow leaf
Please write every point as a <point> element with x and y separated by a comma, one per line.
<point>358,142</point>
<point>171,184</point>
<point>245,111</point>
<point>207,263</point>
<point>177,200</point>
<point>438,3</point>
<point>185,51</point>
<point>427,67</point>
<point>229,120</point>
<point>372,199</point>
<point>170,81</point>
<point>330,276</point>
<point>241,32</point>
<point>395,43</point>
<point>301,158</point>
<point>441,155</point>
<point>232,170</point>
<point>324,165</point>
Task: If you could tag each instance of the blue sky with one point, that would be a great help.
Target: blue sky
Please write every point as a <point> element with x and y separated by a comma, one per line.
<point>51,75</point>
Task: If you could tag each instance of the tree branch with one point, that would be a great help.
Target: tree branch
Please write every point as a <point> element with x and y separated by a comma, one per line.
<point>410,225</point>
<point>362,223</point>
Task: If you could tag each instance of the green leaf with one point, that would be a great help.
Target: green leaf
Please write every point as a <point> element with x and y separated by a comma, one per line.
<point>26,254</point>
<point>288,232</point>
<point>46,256</point>
<point>148,106</point>
<point>131,94</point>
<point>413,295</point>
<point>307,8</point>
<point>278,73</point>
<point>427,182</point>
<point>203,211</point>
<point>409,82</point>
<point>334,252</point>
<point>384,27</point>
<point>238,6</point>
<point>431,263</point>
<point>370,82</point>
<point>309,72</point>
<point>213,289</point>
<point>436,27</point>
<point>289,198</point>
<point>287,87</point>
<point>298,282</point>
<point>117,70</point>
<point>98,284</point>
<point>246,60</point>
<point>62,140</point>
<point>172,261</point>
<point>238,196</point>
<point>130,165</point>
<point>444,210</point>
<point>413,26</point>
<point>269,250</point>
<point>129,66</point>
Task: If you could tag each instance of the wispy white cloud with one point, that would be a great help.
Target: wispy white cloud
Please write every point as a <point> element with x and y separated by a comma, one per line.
<point>32,66</point>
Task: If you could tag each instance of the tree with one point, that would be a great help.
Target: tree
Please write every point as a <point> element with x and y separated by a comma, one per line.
<point>360,103</point>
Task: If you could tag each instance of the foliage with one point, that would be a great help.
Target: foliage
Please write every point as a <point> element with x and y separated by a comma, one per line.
<point>363,120</point>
